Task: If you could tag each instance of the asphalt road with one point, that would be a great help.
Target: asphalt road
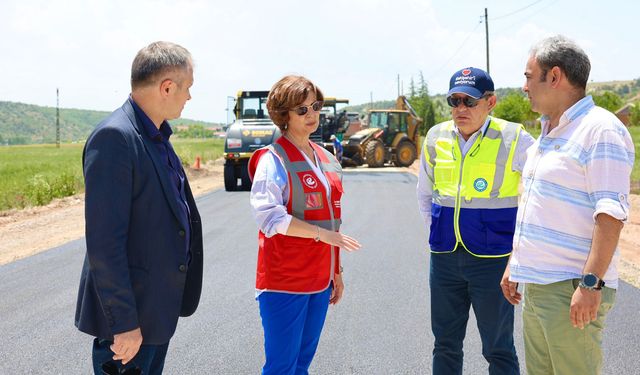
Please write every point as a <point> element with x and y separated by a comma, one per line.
<point>381,327</point>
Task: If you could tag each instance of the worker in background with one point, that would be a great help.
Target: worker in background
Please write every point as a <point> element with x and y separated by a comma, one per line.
<point>337,147</point>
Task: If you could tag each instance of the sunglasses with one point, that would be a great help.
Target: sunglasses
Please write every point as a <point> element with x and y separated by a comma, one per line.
<point>468,101</point>
<point>110,368</point>
<point>303,109</point>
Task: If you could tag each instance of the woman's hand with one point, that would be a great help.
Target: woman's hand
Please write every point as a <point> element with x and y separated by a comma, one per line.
<point>338,289</point>
<point>338,239</point>
<point>300,228</point>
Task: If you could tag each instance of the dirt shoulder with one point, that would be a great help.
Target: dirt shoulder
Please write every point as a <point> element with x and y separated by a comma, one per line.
<point>629,245</point>
<point>30,231</point>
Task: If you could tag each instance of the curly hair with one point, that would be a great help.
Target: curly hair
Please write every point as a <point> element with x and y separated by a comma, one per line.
<point>286,94</point>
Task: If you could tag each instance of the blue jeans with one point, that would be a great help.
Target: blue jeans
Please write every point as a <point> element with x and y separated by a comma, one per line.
<point>150,358</point>
<point>458,281</point>
<point>292,326</point>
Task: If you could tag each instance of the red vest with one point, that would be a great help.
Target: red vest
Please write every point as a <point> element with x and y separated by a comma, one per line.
<point>294,264</point>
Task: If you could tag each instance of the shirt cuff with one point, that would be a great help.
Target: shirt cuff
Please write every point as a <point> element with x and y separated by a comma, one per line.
<point>616,208</point>
<point>283,226</point>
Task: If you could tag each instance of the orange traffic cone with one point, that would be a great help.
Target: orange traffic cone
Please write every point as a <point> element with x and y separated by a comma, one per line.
<point>196,164</point>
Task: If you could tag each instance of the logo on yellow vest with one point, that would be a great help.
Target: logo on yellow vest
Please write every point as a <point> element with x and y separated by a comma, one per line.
<point>480,184</point>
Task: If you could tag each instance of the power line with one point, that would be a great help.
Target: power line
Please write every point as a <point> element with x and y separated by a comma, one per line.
<point>515,11</point>
<point>456,52</point>
<point>437,71</point>
<point>527,17</point>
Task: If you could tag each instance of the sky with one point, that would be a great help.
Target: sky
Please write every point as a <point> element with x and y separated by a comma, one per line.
<point>353,49</point>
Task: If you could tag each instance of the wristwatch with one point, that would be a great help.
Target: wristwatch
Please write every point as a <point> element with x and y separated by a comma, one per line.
<point>591,282</point>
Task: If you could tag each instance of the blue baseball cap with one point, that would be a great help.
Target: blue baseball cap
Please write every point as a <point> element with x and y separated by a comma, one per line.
<point>470,81</point>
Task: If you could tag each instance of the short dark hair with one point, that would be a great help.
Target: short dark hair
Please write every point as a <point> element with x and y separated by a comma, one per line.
<point>156,59</point>
<point>564,53</point>
<point>286,94</point>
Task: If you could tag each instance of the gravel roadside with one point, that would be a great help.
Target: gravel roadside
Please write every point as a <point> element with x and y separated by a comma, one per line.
<point>32,230</point>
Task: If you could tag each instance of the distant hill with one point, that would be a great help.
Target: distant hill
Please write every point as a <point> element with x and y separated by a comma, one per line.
<point>627,90</point>
<point>27,123</point>
<point>363,108</point>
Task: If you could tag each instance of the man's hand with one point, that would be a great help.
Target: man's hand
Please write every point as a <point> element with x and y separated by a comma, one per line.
<point>584,306</point>
<point>338,289</point>
<point>126,345</point>
<point>510,288</point>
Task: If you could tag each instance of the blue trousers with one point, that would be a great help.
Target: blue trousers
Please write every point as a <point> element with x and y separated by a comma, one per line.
<point>458,281</point>
<point>292,326</point>
<point>150,358</point>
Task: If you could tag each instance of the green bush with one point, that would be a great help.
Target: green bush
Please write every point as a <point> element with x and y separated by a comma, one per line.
<point>65,185</point>
<point>38,191</point>
<point>41,190</point>
<point>515,107</point>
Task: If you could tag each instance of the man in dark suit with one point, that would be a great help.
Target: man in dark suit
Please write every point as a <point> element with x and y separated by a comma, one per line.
<point>143,267</point>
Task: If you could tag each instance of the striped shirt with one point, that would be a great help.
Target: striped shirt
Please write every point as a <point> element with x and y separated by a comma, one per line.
<point>574,172</point>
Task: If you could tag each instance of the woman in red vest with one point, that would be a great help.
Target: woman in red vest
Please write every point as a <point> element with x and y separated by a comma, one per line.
<point>295,197</point>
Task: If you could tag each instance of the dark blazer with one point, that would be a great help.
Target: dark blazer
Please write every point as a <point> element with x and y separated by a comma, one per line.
<point>135,272</point>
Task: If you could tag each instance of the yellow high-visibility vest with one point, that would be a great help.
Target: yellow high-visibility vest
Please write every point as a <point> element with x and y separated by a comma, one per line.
<point>475,197</point>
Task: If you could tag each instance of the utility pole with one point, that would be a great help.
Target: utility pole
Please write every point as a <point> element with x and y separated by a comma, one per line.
<point>398,85</point>
<point>57,118</point>
<point>486,30</point>
<point>370,99</point>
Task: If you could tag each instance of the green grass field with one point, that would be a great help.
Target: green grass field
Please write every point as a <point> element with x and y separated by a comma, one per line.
<point>33,175</point>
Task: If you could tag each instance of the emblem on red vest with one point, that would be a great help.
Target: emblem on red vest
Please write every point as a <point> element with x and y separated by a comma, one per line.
<point>310,181</point>
<point>313,200</point>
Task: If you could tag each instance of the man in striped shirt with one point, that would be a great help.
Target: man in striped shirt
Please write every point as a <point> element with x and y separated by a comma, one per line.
<point>575,199</point>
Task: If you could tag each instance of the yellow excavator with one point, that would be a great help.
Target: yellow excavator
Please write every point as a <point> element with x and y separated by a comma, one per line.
<point>391,137</point>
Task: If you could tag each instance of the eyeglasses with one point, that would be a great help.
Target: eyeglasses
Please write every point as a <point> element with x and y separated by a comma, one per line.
<point>303,109</point>
<point>468,101</point>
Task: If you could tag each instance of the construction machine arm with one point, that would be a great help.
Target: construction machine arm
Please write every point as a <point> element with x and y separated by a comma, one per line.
<point>402,103</point>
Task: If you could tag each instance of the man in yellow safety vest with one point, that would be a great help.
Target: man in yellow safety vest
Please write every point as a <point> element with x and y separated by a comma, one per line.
<point>468,194</point>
